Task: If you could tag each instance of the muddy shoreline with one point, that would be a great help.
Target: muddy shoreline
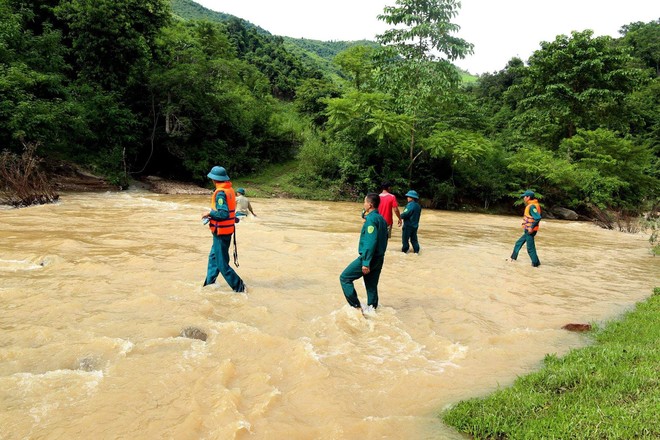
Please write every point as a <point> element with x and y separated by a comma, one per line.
<point>70,178</point>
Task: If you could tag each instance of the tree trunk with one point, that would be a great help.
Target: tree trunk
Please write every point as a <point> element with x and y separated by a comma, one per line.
<point>412,154</point>
<point>168,129</point>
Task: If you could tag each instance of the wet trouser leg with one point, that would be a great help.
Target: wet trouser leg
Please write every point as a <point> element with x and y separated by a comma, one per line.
<point>413,240</point>
<point>353,272</point>
<point>531,248</point>
<point>219,264</point>
<point>518,246</point>
<point>405,238</point>
<point>409,234</point>
<point>371,281</point>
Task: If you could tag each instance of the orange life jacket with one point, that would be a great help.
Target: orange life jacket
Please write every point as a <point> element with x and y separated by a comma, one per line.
<point>226,226</point>
<point>528,220</point>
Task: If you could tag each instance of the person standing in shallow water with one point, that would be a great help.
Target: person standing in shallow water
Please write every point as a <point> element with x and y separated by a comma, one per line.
<point>388,204</point>
<point>222,220</point>
<point>530,224</point>
<point>371,250</point>
<point>243,205</point>
<point>410,217</point>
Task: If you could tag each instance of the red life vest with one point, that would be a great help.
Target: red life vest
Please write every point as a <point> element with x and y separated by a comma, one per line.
<point>528,220</point>
<point>226,226</point>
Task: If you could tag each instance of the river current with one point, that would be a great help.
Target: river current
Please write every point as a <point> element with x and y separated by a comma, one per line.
<point>95,290</point>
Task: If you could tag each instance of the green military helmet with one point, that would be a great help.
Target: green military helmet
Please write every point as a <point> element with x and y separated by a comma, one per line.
<point>219,174</point>
<point>413,194</point>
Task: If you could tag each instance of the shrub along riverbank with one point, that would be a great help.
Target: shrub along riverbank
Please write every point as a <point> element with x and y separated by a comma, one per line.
<point>609,390</point>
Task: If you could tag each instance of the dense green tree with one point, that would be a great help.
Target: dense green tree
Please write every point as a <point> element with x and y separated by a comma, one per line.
<point>309,98</point>
<point>369,120</point>
<point>113,39</point>
<point>473,164</point>
<point>111,52</point>
<point>541,170</point>
<point>491,97</point>
<point>577,82</point>
<point>371,133</point>
<point>426,31</point>
<point>593,168</point>
<point>645,120</point>
<point>208,104</point>
<point>644,40</point>
<point>357,62</point>
<point>33,94</point>
<point>108,84</point>
<point>416,63</point>
<point>613,172</point>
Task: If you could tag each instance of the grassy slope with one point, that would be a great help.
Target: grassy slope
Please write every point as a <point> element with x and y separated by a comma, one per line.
<point>466,77</point>
<point>610,390</point>
<point>278,180</point>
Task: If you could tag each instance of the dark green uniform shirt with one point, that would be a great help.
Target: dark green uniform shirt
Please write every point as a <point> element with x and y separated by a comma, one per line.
<point>373,238</point>
<point>411,214</point>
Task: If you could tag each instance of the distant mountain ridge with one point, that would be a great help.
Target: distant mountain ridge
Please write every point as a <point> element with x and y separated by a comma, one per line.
<point>319,51</point>
<point>314,53</point>
<point>189,10</point>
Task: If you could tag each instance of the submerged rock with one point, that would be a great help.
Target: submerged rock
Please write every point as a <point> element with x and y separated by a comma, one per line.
<point>193,333</point>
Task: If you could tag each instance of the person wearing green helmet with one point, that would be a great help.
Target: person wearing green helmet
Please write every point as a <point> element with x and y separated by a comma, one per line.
<point>410,217</point>
<point>221,219</point>
<point>530,225</point>
<point>243,205</point>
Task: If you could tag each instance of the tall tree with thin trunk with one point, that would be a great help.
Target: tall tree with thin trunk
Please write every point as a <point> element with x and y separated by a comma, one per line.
<point>416,61</point>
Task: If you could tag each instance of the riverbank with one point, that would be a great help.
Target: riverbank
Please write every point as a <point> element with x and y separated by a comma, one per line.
<point>68,177</point>
<point>277,181</point>
<point>607,390</point>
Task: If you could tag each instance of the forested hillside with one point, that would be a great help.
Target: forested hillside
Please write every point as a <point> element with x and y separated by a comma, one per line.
<point>131,87</point>
<point>189,10</point>
<point>314,54</point>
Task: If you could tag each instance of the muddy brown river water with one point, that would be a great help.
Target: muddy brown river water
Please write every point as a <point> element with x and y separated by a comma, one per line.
<point>95,290</point>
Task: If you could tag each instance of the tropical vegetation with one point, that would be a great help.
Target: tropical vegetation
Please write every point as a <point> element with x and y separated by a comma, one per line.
<point>128,88</point>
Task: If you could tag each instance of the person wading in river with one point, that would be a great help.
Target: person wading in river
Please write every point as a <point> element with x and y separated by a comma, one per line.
<point>243,205</point>
<point>530,224</point>
<point>222,220</point>
<point>410,217</point>
<point>388,204</point>
<point>371,247</point>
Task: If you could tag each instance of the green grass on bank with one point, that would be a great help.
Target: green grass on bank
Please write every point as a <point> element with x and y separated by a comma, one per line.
<point>467,78</point>
<point>609,390</point>
<point>279,180</point>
